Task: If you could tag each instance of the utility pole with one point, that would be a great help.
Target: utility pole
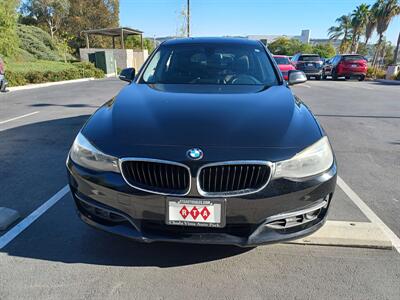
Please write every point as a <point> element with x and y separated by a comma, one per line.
<point>188,19</point>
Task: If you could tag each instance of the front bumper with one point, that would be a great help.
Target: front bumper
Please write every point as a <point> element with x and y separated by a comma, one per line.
<point>106,202</point>
<point>312,72</point>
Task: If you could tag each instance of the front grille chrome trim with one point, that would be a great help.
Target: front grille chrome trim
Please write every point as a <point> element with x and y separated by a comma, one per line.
<point>239,192</point>
<point>160,161</point>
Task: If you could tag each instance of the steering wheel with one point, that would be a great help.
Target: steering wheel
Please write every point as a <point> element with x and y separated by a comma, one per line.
<point>244,79</point>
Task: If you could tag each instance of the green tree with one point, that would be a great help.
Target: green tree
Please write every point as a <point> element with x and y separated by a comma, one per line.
<point>93,14</point>
<point>47,13</point>
<point>324,50</point>
<point>359,19</point>
<point>8,23</point>
<point>281,46</point>
<point>133,42</point>
<point>342,31</point>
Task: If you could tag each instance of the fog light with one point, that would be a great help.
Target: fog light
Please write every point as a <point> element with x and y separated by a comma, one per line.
<point>312,214</point>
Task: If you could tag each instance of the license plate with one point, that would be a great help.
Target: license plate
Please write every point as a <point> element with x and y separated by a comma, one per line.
<point>354,66</point>
<point>310,65</point>
<point>195,212</point>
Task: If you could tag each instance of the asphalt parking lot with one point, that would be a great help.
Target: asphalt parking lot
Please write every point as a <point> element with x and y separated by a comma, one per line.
<point>57,256</point>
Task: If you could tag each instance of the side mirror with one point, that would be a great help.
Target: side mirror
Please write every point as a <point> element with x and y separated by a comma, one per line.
<point>127,74</point>
<point>296,77</point>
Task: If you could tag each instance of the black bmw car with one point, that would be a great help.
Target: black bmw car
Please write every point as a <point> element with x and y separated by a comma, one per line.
<point>207,144</point>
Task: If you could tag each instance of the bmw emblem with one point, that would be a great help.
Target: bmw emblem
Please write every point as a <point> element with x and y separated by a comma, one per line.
<point>195,153</point>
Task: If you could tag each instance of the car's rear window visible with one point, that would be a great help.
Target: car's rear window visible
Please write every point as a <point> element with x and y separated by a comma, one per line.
<point>282,60</point>
<point>353,57</point>
<point>210,63</point>
<point>310,58</point>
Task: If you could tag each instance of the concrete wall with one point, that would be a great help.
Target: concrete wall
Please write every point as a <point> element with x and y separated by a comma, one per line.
<point>125,58</point>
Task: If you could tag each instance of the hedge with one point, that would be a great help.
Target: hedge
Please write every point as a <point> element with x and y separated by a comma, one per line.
<point>376,73</point>
<point>54,72</point>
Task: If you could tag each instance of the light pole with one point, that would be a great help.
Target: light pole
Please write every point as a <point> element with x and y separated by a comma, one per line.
<point>188,19</point>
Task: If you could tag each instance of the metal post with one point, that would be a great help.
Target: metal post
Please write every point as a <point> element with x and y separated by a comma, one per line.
<point>141,41</point>
<point>188,18</point>
<point>87,40</point>
<point>113,41</point>
<point>122,39</point>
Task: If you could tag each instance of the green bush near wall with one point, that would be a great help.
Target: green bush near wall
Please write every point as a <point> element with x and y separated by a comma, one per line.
<point>49,71</point>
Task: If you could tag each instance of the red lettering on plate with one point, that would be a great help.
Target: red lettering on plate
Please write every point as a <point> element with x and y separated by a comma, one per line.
<point>194,213</point>
<point>184,212</point>
<point>205,213</point>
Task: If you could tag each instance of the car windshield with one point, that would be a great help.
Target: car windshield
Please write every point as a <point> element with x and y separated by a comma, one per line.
<point>310,58</point>
<point>353,57</point>
<point>282,60</point>
<point>208,63</point>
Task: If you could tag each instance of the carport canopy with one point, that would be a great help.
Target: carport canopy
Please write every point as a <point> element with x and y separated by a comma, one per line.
<point>121,32</point>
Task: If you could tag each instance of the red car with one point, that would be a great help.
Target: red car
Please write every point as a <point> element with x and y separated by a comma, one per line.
<point>284,65</point>
<point>347,66</point>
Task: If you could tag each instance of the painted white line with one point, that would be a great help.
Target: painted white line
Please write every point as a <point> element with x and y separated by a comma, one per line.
<point>25,223</point>
<point>369,213</point>
<point>20,117</point>
<point>348,234</point>
<point>305,85</point>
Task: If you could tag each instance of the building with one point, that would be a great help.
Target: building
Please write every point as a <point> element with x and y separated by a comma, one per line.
<point>304,37</point>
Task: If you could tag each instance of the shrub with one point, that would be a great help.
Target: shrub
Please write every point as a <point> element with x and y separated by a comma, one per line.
<point>376,73</point>
<point>37,42</point>
<point>48,71</point>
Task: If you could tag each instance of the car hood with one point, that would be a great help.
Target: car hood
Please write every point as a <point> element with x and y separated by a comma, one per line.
<point>167,117</point>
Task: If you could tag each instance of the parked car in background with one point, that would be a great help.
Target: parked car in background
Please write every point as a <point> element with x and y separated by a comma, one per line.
<point>3,81</point>
<point>284,65</point>
<point>347,66</point>
<point>311,64</point>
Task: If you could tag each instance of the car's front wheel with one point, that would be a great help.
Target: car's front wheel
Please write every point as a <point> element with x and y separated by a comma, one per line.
<point>2,86</point>
<point>361,78</point>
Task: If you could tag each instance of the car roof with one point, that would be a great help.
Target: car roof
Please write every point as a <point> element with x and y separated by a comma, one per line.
<point>211,40</point>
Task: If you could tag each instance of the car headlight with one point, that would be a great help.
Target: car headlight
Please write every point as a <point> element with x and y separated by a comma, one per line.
<point>313,160</point>
<point>86,155</point>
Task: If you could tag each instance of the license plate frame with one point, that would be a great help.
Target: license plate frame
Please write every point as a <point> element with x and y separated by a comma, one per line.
<point>214,206</point>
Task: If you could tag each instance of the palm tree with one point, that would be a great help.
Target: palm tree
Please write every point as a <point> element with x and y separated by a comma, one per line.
<point>370,26</point>
<point>396,51</point>
<point>386,11</point>
<point>359,19</point>
<point>342,31</point>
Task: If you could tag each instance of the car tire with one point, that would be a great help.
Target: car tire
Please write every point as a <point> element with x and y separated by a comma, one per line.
<point>2,86</point>
<point>334,75</point>
<point>361,78</point>
<point>347,77</point>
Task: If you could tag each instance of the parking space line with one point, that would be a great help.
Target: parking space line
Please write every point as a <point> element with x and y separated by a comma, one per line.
<point>25,223</point>
<point>20,117</point>
<point>369,213</point>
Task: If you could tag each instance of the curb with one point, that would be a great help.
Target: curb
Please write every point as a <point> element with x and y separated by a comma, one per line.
<point>348,234</point>
<point>47,84</point>
<point>388,81</point>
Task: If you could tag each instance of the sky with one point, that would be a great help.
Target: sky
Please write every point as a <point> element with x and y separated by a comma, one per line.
<point>241,17</point>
